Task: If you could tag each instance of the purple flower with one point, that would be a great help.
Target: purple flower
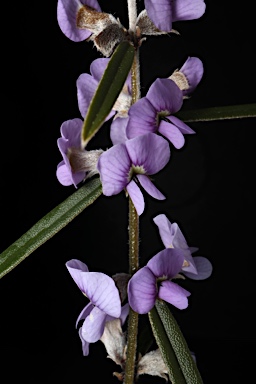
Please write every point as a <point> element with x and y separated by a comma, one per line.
<point>196,268</point>
<point>77,164</point>
<point>125,165</point>
<point>70,138</point>
<point>67,12</point>
<point>164,12</point>
<point>104,305</point>
<point>154,281</point>
<point>153,113</point>
<point>189,75</point>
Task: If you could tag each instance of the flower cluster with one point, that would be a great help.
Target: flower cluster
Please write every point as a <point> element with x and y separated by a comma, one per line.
<point>142,134</point>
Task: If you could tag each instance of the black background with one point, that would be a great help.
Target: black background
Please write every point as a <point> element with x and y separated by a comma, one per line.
<point>208,185</point>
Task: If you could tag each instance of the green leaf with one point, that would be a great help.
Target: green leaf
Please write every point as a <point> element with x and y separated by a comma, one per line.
<point>49,225</point>
<point>175,374</point>
<point>108,90</point>
<point>179,344</point>
<point>218,113</point>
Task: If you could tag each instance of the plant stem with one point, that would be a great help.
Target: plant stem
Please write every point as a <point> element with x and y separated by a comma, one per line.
<point>132,14</point>
<point>133,229</point>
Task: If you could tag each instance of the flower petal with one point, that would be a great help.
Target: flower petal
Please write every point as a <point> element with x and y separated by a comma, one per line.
<point>173,294</point>
<point>142,118</point>
<point>86,87</point>
<point>85,344</point>
<point>118,130</point>
<point>66,15</point>
<point>98,287</point>
<point>142,291</point>
<point>142,147</point>
<point>166,263</point>
<point>187,9</point>
<point>65,175</point>
<point>193,70</point>
<point>84,313</point>
<point>160,12</point>
<point>203,266</point>
<point>165,95</point>
<point>149,187</point>
<point>136,197</point>
<point>97,68</point>
<point>114,166</point>
<point>172,133</point>
<point>93,326</point>
<point>71,130</point>
<point>166,230</point>
<point>184,128</point>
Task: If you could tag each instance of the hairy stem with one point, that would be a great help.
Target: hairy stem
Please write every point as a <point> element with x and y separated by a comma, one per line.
<point>133,228</point>
<point>132,14</point>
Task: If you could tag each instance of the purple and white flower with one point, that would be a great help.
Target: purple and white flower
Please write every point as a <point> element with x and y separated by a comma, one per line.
<point>77,164</point>
<point>128,164</point>
<point>104,305</point>
<point>154,113</point>
<point>197,267</point>
<point>154,281</point>
<point>163,13</point>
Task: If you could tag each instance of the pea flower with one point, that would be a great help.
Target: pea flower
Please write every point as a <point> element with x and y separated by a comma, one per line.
<point>197,267</point>
<point>153,113</point>
<point>163,13</point>
<point>104,305</point>
<point>82,19</point>
<point>128,164</point>
<point>77,164</point>
<point>154,281</point>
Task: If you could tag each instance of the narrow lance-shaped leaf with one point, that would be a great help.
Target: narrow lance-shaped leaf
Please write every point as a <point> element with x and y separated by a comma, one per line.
<point>162,340</point>
<point>108,90</point>
<point>179,344</point>
<point>218,113</point>
<point>49,225</point>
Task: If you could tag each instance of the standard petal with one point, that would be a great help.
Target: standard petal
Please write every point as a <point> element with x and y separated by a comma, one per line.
<point>84,313</point>
<point>142,147</point>
<point>165,95</point>
<point>114,166</point>
<point>172,133</point>
<point>142,291</point>
<point>203,266</point>
<point>93,326</point>
<point>187,9</point>
<point>86,87</point>
<point>160,12</point>
<point>118,130</point>
<point>75,268</point>
<point>136,197</point>
<point>166,230</point>
<point>173,294</point>
<point>193,70</point>
<point>142,118</point>
<point>184,128</point>
<point>71,131</point>
<point>166,263</point>
<point>102,292</point>
<point>149,187</point>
